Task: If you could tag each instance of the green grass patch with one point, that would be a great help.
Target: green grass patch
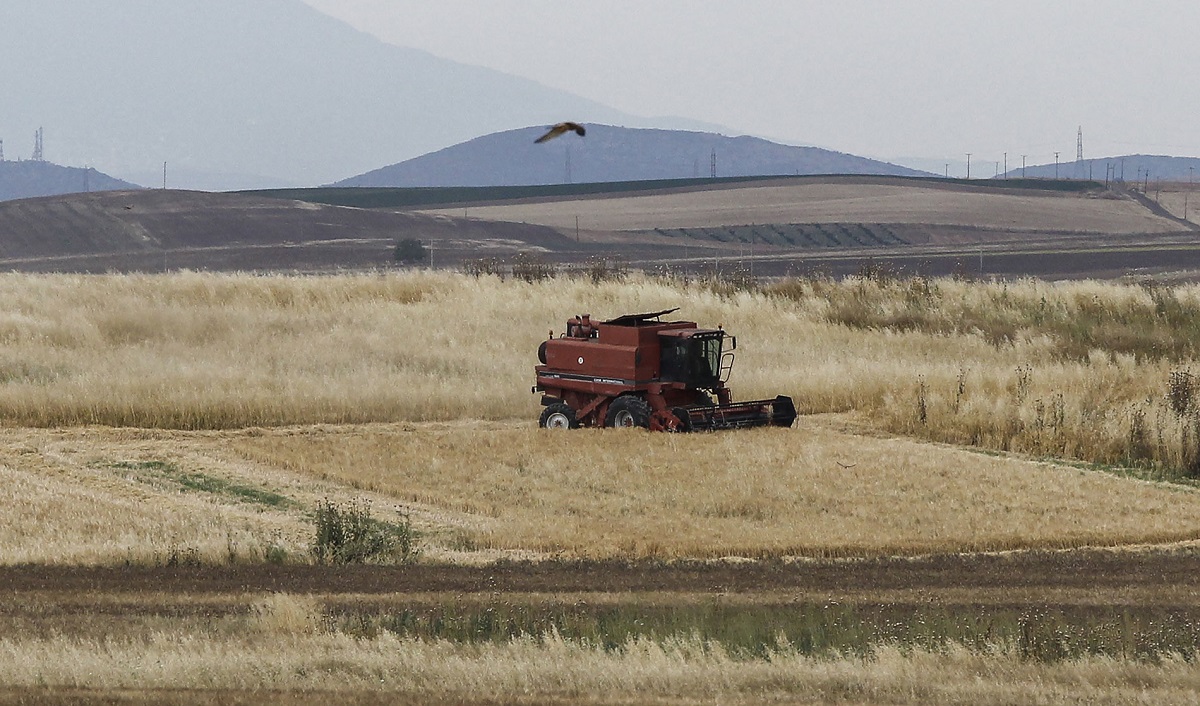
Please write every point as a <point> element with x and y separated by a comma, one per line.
<point>164,472</point>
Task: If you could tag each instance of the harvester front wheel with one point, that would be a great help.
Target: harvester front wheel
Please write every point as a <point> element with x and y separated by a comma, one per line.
<point>558,416</point>
<point>628,411</point>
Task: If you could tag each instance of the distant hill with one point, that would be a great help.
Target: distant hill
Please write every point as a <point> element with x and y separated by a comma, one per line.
<point>835,224</point>
<point>236,94</point>
<point>26,179</point>
<point>158,229</point>
<point>608,153</point>
<point>1130,168</point>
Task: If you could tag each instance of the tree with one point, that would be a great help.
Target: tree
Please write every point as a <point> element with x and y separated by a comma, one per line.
<point>410,251</point>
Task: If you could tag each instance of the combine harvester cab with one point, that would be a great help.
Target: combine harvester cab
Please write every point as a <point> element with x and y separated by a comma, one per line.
<point>637,370</point>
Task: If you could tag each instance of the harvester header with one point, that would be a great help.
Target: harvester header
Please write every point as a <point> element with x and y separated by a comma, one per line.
<point>638,370</point>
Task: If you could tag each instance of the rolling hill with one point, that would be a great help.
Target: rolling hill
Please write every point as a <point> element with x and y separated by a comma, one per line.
<point>27,179</point>
<point>155,230</point>
<point>770,226</point>
<point>609,153</point>
<point>1131,168</point>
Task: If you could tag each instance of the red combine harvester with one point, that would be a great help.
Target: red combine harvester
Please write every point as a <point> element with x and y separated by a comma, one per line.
<point>637,370</point>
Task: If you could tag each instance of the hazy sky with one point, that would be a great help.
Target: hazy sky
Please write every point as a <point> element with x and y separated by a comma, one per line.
<point>927,78</point>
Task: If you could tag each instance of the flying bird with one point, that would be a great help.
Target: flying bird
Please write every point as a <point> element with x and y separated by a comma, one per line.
<point>560,129</point>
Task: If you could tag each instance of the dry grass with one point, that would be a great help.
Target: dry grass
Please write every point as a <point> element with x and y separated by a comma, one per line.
<point>481,491</point>
<point>282,649</point>
<point>918,358</point>
<point>1181,199</point>
<point>215,351</point>
<point>815,202</point>
<point>1001,366</point>
<point>808,491</point>
<point>232,353</point>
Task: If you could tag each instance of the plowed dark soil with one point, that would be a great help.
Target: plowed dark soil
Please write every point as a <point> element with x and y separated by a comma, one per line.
<point>1093,575</point>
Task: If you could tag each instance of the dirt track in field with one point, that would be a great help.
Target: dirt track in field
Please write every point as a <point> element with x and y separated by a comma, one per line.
<point>1149,577</point>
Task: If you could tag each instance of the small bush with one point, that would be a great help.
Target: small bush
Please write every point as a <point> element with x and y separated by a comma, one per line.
<point>410,251</point>
<point>605,269</point>
<point>483,266</point>
<point>531,268</point>
<point>349,535</point>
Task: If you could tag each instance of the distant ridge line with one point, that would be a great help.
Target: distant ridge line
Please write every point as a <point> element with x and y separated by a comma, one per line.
<point>412,197</point>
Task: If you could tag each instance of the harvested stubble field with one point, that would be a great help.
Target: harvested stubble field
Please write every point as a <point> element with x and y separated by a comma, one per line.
<point>844,200</point>
<point>175,433</point>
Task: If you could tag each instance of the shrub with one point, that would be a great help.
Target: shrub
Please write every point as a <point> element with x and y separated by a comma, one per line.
<point>410,251</point>
<point>531,268</point>
<point>483,266</point>
<point>349,535</point>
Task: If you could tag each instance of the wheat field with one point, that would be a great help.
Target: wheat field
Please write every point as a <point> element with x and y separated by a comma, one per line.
<point>412,390</point>
<point>478,492</point>
<point>198,419</point>
<point>1075,370</point>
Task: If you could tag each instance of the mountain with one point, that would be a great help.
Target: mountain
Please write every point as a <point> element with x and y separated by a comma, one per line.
<point>25,179</point>
<point>243,94</point>
<point>608,153</point>
<point>1130,168</point>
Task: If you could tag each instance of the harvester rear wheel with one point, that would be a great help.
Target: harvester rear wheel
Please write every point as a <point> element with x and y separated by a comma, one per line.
<point>675,420</point>
<point>628,411</point>
<point>558,416</point>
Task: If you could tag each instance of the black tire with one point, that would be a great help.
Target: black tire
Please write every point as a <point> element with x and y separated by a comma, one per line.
<point>628,411</point>
<point>558,416</point>
<point>685,419</point>
<point>783,412</point>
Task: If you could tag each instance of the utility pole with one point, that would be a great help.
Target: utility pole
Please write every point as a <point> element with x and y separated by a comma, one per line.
<point>1187,193</point>
<point>1055,165</point>
<point>968,165</point>
<point>947,170</point>
<point>1005,165</point>
<point>164,176</point>
<point>1079,154</point>
<point>1023,166</point>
